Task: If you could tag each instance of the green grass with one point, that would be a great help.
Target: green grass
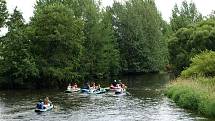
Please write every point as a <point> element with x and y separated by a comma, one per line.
<point>194,94</point>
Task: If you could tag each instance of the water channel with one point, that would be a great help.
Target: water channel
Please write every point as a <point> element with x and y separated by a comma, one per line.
<point>145,102</point>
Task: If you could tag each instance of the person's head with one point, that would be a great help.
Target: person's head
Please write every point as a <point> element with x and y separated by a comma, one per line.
<point>47,98</point>
<point>94,84</point>
<point>40,100</point>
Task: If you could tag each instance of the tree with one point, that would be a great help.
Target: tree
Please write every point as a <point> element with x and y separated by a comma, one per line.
<point>189,41</point>
<point>57,43</point>
<point>188,14</point>
<point>101,57</point>
<point>212,15</point>
<point>138,29</point>
<point>203,64</point>
<point>3,13</point>
<point>17,65</point>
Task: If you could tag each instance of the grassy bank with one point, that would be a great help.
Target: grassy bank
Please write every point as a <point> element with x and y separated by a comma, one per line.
<point>195,94</point>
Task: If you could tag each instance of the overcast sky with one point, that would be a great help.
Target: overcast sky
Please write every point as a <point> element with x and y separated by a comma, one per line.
<point>164,6</point>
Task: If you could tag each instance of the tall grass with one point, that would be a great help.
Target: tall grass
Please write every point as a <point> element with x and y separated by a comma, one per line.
<point>194,94</point>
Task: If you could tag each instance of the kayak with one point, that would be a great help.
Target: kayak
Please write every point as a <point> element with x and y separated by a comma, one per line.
<point>85,91</point>
<point>120,94</point>
<point>72,90</point>
<point>93,91</point>
<point>46,108</point>
<point>107,89</point>
<point>101,91</point>
<point>113,88</point>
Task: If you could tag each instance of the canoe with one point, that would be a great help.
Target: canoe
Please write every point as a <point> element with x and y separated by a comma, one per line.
<point>47,108</point>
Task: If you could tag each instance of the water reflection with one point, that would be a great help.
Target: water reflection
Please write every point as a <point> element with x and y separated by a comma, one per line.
<point>146,102</point>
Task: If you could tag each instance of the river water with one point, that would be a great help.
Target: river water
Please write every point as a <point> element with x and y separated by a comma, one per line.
<point>145,102</point>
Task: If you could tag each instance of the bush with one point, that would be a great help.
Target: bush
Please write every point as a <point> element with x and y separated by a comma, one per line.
<point>189,99</point>
<point>202,64</point>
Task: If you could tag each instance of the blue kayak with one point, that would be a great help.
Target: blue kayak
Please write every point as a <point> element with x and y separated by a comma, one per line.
<point>93,91</point>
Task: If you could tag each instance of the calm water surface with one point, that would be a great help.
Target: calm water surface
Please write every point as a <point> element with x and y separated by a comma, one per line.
<point>146,102</point>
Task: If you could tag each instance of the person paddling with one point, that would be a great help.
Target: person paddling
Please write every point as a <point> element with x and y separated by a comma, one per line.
<point>69,87</point>
<point>93,85</point>
<point>47,101</point>
<point>75,86</point>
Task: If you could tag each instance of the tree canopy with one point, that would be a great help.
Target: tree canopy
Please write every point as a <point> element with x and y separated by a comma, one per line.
<point>184,16</point>
<point>137,24</point>
<point>72,40</point>
<point>189,41</point>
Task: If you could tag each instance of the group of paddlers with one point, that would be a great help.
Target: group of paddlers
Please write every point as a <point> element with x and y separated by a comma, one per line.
<point>116,86</point>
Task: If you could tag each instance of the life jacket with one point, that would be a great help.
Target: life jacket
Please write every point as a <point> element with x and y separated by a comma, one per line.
<point>39,105</point>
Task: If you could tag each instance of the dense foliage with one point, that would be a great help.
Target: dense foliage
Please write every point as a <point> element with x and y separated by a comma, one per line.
<point>186,15</point>
<point>78,40</point>
<point>137,24</point>
<point>17,64</point>
<point>72,40</point>
<point>3,13</point>
<point>195,88</point>
<point>189,41</point>
<point>202,65</point>
<point>191,45</point>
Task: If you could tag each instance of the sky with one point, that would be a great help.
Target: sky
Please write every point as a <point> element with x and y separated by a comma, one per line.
<point>164,6</point>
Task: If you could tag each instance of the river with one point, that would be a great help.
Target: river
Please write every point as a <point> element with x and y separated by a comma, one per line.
<point>145,102</point>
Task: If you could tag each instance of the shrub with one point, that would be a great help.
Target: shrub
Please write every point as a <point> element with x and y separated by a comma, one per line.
<point>189,99</point>
<point>202,64</point>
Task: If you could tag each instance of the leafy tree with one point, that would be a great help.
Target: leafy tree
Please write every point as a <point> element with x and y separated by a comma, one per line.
<point>3,13</point>
<point>17,65</point>
<point>202,64</point>
<point>212,15</point>
<point>187,42</point>
<point>57,42</point>
<point>138,29</point>
<point>100,57</point>
<point>186,15</point>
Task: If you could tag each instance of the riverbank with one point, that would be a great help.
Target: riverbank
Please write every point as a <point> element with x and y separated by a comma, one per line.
<point>197,94</point>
